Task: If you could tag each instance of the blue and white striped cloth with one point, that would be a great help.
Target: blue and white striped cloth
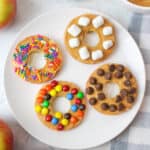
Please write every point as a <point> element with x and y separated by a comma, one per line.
<point>137,136</point>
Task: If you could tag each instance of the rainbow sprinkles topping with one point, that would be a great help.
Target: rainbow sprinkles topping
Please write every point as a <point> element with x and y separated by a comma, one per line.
<point>33,44</point>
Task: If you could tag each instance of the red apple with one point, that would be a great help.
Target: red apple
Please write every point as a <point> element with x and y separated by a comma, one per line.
<point>6,137</point>
<point>7,11</point>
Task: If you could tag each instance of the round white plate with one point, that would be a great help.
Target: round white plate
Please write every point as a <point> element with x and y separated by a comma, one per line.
<point>96,128</point>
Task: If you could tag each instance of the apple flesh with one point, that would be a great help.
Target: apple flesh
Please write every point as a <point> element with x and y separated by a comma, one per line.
<point>6,137</point>
<point>7,11</point>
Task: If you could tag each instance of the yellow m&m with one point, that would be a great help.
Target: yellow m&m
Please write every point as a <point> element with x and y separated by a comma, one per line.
<point>44,111</point>
<point>64,122</point>
<point>38,108</point>
<point>58,88</point>
<point>52,92</point>
<point>58,115</point>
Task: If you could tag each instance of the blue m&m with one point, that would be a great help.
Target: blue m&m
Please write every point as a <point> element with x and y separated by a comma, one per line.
<point>54,120</point>
<point>69,96</point>
<point>74,108</point>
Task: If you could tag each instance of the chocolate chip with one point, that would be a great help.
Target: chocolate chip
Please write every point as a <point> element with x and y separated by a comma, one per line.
<point>123,92</point>
<point>89,90</point>
<point>112,108</point>
<point>128,75</point>
<point>99,86</point>
<point>82,107</point>
<point>108,76</point>
<point>104,106</point>
<point>93,80</point>
<point>47,97</point>
<point>118,98</point>
<point>120,68</point>
<point>118,74</point>
<point>67,116</point>
<point>112,68</point>
<point>127,83</point>
<point>121,107</point>
<point>101,96</point>
<point>130,99</point>
<point>92,101</point>
<point>100,72</point>
<point>132,90</point>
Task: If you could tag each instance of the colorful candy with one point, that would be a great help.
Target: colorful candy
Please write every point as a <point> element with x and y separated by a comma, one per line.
<point>52,93</point>
<point>74,91</point>
<point>74,108</point>
<point>64,122</point>
<point>38,108</point>
<point>44,111</point>
<point>45,104</point>
<point>80,95</point>
<point>58,88</point>
<point>54,120</point>
<point>58,115</point>
<point>65,88</point>
<point>69,96</point>
<point>48,118</point>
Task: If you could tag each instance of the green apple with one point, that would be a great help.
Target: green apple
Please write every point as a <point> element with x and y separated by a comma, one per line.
<point>6,137</point>
<point>7,11</point>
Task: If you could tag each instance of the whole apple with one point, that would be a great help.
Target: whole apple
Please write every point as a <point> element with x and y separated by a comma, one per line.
<point>6,137</point>
<point>7,11</point>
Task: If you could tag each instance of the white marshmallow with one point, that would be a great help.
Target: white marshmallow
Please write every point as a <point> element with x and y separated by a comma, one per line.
<point>83,21</point>
<point>107,44</point>
<point>98,21</point>
<point>97,54</point>
<point>107,30</point>
<point>74,30</point>
<point>74,42</point>
<point>84,53</point>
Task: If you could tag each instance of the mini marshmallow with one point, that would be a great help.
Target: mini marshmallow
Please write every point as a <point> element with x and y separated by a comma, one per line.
<point>84,53</point>
<point>83,21</point>
<point>97,54</point>
<point>107,44</point>
<point>74,42</point>
<point>98,21</point>
<point>74,30</point>
<point>107,30</point>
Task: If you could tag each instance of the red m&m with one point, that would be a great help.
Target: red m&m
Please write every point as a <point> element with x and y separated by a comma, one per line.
<point>65,88</point>
<point>74,91</point>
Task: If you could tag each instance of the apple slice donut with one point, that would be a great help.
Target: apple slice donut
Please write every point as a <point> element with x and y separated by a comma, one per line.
<point>56,120</point>
<point>97,89</point>
<point>22,57</point>
<point>76,44</point>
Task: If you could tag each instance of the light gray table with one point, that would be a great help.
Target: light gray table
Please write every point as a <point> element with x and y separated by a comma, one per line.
<point>29,9</point>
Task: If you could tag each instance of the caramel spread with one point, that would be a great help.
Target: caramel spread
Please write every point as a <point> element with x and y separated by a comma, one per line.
<point>145,3</point>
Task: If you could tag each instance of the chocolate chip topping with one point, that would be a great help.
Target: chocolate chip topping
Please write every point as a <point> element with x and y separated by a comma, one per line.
<point>128,75</point>
<point>132,90</point>
<point>130,99</point>
<point>47,97</point>
<point>112,68</point>
<point>92,101</point>
<point>118,74</point>
<point>67,116</point>
<point>108,76</point>
<point>99,86</point>
<point>123,92</point>
<point>104,106</point>
<point>93,80</point>
<point>112,108</point>
<point>101,96</point>
<point>82,107</point>
<point>100,72</point>
<point>89,90</point>
<point>120,68</point>
<point>118,98</point>
<point>121,107</point>
<point>127,83</point>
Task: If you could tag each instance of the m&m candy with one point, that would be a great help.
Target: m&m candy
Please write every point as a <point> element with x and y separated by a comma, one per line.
<point>74,108</point>
<point>54,120</point>
<point>80,95</point>
<point>58,88</point>
<point>44,111</point>
<point>38,108</point>
<point>58,115</point>
<point>52,93</point>
<point>64,122</point>
<point>69,96</point>
<point>45,103</point>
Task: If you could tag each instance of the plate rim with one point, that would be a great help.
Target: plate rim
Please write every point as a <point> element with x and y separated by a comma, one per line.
<point>92,11</point>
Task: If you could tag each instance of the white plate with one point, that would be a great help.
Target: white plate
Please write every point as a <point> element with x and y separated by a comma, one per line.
<point>136,8</point>
<point>96,129</point>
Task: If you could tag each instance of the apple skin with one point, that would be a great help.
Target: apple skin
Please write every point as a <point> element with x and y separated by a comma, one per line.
<point>7,12</point>
<point>6,137</point>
